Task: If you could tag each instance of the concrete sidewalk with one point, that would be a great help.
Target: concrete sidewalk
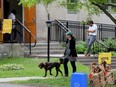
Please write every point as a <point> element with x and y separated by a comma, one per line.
<point>13,85</point>
<point>3,80</point>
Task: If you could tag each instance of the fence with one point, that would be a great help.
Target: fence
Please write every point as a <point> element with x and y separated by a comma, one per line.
<point>58,34</point>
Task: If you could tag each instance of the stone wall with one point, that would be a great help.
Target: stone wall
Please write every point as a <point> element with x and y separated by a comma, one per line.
<point>56,12</point>
<point>11,50</point>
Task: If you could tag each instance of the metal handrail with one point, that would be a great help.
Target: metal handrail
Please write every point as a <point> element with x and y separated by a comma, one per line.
<point>63,27</point>
<point>66,29</point>
<point>103,44</point>
<point>24,27</point>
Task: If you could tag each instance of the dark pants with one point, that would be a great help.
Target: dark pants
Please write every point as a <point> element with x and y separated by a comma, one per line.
<point>90,40</point>
<point>14,34</point>
<point>66,67</point>
<point>7,38</point>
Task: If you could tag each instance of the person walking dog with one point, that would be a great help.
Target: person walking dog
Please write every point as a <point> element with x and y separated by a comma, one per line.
<point>92,33</point>
<point>70,53</point>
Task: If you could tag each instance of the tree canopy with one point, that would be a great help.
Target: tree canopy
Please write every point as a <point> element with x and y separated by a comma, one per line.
<point>92,6</point>
<point>29,3</point>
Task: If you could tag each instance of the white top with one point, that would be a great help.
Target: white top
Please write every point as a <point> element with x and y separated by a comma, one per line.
<point>13,17</point>
<point>93,27</point>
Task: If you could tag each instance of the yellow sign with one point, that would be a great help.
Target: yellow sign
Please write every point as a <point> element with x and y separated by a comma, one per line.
<point>7,26</point>
<point>104,57</point>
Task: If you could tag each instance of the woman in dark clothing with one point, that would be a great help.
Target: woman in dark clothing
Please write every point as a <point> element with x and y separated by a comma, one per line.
<point>70,53</point>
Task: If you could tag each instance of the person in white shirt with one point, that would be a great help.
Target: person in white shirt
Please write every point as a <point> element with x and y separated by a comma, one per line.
<point>92,33</point>
<point>12,16</point>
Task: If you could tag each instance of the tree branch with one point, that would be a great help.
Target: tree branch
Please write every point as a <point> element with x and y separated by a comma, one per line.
<point>105,11</point>
<point>110,4</point>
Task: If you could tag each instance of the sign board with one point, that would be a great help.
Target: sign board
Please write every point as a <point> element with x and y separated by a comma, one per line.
<point>104,57</point>
<point>7,26</point>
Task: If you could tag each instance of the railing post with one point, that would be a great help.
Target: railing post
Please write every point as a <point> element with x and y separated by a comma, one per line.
<point>84,32</point>
<point>30,42</point>
<point>115,32</point>
<point>67,24</point>
<point>101,32</point>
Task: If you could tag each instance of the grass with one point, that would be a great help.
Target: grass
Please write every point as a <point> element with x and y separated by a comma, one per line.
<point>52,82</point>
<point>31,69</point>
<point>30,66</point>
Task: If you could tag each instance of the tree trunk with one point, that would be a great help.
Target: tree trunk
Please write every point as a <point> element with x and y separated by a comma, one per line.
<point>105,11</point>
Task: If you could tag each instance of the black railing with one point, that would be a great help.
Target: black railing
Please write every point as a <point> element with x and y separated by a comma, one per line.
<point>28,34</point>
<point>99,46</point>
<point>58,31</point>
<point>21,30</point>
<point>104,30</point>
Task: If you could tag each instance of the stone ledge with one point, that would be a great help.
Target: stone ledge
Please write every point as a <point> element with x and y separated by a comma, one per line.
<point>11,50</point>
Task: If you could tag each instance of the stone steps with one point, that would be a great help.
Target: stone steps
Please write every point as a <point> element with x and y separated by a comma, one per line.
<point>45,48</point>
<point>88,60</point>
<point>41,48</point>
<point>56,51</point>
<point>45,52</point>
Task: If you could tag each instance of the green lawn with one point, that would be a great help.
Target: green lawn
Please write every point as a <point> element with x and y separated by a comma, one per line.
<point>31,69</point>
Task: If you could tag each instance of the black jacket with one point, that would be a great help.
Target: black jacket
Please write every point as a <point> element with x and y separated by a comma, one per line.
<point>71,51</point>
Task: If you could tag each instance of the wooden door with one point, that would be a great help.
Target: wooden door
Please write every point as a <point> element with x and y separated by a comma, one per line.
<point>1,17</point>
<point>30,22</point>
<point>1,9</point>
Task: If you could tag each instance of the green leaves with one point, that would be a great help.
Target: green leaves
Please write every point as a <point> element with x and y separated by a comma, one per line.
<point>85,4</point>
<point>47,2</point>
<point>76,5</point>
<point>91,9</point>
<point>29,3</point>
<point>81,47</point>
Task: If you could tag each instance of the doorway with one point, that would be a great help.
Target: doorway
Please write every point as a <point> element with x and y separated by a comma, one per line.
<point>13,4</point>
<point>8,5</point>
<point>25,15</point>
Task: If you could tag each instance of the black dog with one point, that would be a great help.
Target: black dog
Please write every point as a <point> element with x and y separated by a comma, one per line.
<point>49,66</point>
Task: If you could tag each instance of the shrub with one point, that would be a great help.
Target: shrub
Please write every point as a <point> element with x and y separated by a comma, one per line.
<point>111,43</point>
<point>81,47</point>
<point>10,67</point>
<point>96,48</point>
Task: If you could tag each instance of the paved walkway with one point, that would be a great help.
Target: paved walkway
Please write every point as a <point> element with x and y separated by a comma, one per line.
<point>2,80</point>
<point>12,85</point>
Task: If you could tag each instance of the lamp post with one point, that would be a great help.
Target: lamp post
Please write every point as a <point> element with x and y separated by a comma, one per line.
<point>49,24</point>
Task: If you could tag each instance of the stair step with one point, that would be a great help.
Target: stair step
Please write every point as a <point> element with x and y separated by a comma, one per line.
<point>45,56</point>
<point>45,44</point>
<point>52,52</point>
<point>45,48</point>
<point>56,51</point>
